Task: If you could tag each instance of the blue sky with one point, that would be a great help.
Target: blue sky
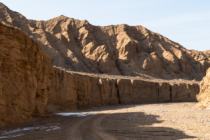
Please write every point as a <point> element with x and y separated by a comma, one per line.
<point>184,21</point>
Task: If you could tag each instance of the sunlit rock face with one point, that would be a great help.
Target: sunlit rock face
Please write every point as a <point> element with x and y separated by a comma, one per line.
<point>204,95</point>
<point>116,49</point>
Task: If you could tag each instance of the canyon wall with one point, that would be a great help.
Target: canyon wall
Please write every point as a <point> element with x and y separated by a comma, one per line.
<point>24,77</point>
<point>30,86</point>
<point>75,90</point>
<point>204,95</point>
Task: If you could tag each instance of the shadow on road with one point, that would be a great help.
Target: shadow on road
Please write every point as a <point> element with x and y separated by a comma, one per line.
<point>140,126</point>
<point>120,126</point>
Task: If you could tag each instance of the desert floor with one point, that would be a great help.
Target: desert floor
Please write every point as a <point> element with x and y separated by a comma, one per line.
<point>172,121</point>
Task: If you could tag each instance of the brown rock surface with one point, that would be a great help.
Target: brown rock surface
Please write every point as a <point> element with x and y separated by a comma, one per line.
<point>204,95</point>
<point>24,81</point>
<point>76,90</point>
<point>116,49</point>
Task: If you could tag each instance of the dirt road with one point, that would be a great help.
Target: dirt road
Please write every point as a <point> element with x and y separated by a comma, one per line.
<point>142,122</point>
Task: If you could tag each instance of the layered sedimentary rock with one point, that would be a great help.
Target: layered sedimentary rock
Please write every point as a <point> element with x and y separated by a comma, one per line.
<point>74,90</point>
<point>204,95</point>
<point>117,49</point>
<point>24,77</point>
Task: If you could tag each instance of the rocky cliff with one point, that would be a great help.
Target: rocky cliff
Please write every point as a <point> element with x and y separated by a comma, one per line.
<point>116,49</point>
<point>24,77</point>
<point>75,90</point>
<point>204,95</point>
<point>30,86</point>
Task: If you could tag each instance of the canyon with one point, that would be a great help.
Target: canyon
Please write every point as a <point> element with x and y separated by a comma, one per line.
<point>64,64</point>
<point>31,86</point>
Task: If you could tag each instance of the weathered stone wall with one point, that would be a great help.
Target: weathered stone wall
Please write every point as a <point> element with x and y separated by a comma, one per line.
<point>73,90</point>
<point>24,77</point>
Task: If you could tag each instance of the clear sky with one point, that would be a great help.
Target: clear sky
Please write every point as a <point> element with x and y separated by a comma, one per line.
<point>184,21</point>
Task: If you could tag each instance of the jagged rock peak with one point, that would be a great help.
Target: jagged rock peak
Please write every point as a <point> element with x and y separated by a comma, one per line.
<point>116,49</point>
<point>3,6</point>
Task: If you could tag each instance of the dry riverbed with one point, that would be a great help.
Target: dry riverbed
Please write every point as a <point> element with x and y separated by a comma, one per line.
<point>138,122</point>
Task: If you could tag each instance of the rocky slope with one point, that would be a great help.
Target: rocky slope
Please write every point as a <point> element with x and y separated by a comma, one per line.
<point>24,77</point>
<point>116,49</point>
<point>204,95</point>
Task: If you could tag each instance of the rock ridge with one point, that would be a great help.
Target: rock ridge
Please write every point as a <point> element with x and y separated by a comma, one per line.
<point>77,45</point>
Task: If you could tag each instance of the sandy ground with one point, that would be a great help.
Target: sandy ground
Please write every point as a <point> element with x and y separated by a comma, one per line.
<point>141,122</point>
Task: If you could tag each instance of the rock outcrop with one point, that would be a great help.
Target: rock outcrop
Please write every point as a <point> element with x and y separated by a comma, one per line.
<point>75,90</point>
<point>24,77</point>
<point>117,49</point>
<point>204,95</point>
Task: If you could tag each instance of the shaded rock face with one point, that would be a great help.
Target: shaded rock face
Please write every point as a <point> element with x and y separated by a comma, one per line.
<point>73,90</point>
<point>204,95</point>
<point>24,77</point>
<point>121,49</point>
